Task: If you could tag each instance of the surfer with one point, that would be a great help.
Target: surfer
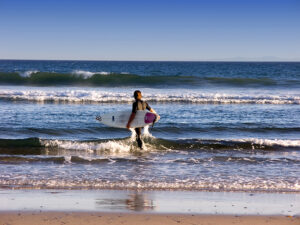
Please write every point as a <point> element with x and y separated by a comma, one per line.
<point>139,104</point>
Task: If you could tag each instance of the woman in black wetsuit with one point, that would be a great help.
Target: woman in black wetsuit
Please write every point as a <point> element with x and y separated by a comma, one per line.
<point>139,104</point>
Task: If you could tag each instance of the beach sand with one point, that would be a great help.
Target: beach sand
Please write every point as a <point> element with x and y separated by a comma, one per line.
<point>91,218</point>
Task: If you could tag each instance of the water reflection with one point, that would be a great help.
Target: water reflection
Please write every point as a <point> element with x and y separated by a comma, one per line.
<point>136,201</point>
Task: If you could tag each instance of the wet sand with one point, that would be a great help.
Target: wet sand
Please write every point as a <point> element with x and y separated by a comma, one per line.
<point>58,207</point>
<point>91,218</point>
<point>157,202</point>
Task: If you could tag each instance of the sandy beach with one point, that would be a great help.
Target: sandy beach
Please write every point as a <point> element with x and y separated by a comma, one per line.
<point>88,218</point>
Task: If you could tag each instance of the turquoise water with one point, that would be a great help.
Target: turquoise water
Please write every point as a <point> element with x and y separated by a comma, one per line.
<point>224,126</point>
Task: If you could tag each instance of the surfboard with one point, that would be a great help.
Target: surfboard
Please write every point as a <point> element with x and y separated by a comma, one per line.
<point>120,119</point>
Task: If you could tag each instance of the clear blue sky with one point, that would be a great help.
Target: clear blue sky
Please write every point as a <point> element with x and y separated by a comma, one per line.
<point>149,30</point>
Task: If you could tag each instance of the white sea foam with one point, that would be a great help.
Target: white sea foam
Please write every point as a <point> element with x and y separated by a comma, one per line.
<point>108,146</point>
<point>125,146</point>
<point>156,95</point>
<point>28,73</point>
<point>259,141</point>
<point>68,158</point>
<point>111,146</point>
<point>216,184</point>
<point>271,142</point>
<point>146,132</point>
<point>87,74</point>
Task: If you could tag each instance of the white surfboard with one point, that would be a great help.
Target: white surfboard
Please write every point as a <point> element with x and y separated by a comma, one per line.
<point>120,119</point>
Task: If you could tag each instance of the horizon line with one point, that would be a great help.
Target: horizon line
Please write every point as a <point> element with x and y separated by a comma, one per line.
<point>148,60</point>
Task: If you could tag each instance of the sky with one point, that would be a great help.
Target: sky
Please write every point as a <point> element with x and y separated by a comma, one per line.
<point>185,30</point>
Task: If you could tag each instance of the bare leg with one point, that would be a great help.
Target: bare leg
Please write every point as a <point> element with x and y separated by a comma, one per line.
<point>138,137</point>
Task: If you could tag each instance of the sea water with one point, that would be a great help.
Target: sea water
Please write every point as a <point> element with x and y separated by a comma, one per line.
<point>225,126</point>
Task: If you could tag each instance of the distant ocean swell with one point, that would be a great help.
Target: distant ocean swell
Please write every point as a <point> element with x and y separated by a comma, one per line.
<point>119,96</point>
<point>108,79</point>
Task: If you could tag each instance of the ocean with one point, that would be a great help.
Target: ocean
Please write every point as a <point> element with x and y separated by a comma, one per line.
<point>225,126</point>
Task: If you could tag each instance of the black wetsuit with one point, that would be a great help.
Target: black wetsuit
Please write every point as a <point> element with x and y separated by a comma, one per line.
<point>139,105</point>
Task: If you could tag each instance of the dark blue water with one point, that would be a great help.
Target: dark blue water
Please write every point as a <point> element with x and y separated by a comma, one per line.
<point>273,70</point>
<point>224,126</point>
<point>194,74</point>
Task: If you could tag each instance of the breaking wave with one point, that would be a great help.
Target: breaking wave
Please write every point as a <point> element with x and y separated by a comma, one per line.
<point>119,96</point>
<point>123,145</point>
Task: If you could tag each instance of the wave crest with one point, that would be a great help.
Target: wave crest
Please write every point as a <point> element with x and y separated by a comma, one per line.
<point>106,78</point>
<point>111,96</point>
<point>88,74</point>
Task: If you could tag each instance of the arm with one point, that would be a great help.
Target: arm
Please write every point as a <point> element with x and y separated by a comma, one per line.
<point>149,108</point>
<point>131,118</point>
<point>153,111</point>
